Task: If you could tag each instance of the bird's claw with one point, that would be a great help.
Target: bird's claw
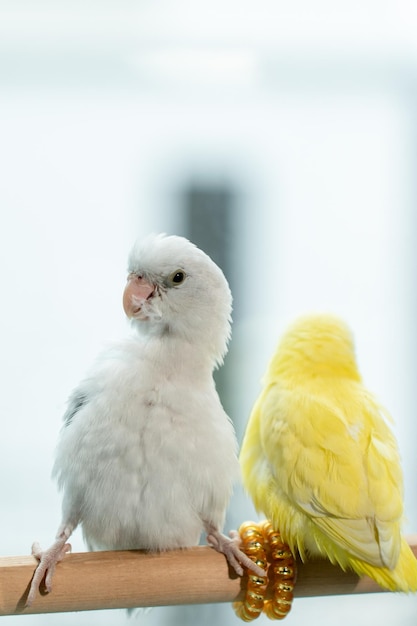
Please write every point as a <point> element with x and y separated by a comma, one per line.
<point>46,566</point>
<point>230,547</point>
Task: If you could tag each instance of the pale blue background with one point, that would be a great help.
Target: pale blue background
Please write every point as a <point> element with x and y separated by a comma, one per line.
<point>107,108</point>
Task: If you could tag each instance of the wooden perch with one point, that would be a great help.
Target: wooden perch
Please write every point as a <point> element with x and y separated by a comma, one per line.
<point>110,580</point>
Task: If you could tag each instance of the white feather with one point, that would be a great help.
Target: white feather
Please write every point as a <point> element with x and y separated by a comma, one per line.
<point>149,455</point>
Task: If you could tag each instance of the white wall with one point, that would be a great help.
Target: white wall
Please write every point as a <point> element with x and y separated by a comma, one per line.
<point>99,129</point>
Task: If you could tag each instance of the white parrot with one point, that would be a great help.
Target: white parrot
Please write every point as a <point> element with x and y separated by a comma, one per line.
<point>147,457</point>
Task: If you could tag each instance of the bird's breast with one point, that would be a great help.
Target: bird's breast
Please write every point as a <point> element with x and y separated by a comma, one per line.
<point>147,461</point>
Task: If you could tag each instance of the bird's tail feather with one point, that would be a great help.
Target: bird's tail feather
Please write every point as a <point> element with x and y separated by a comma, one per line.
<point>402,578</point>
<point>139,612</point>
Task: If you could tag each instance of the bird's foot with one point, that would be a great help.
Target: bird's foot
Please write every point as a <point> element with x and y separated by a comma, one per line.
<point>46,566</point>
<point>230,547</point>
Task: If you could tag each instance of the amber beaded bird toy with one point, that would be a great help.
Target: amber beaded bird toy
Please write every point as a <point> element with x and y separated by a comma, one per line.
<point>263,544</point>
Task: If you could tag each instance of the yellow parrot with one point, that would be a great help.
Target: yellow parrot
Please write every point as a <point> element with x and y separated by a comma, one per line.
<point>320,461</point>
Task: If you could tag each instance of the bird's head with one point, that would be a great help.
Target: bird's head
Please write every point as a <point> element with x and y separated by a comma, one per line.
<point>317,345</point>
<point>174,288</point>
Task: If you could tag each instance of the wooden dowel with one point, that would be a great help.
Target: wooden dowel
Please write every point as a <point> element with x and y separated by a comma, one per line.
<point>110,580</point>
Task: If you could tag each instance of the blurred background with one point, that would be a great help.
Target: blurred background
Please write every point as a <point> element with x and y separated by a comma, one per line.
<point>281,136</point>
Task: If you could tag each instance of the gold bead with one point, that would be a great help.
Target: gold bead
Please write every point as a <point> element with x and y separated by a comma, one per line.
<point>263,544</point>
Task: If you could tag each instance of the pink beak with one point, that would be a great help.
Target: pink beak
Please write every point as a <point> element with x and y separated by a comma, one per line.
<point>136,292</point>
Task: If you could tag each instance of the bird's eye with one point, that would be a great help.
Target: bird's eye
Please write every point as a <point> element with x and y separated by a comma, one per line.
<point>177,277</point>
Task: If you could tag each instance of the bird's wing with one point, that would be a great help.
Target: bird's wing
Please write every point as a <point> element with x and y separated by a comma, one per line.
<point>78,399</point>
<point>345,479</point>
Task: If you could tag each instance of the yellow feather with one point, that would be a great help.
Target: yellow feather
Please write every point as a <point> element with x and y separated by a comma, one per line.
<point>319,459</point>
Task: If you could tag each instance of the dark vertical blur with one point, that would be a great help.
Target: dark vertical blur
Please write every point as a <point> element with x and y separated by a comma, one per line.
<point>208,217</point>
<point>208,212</point>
